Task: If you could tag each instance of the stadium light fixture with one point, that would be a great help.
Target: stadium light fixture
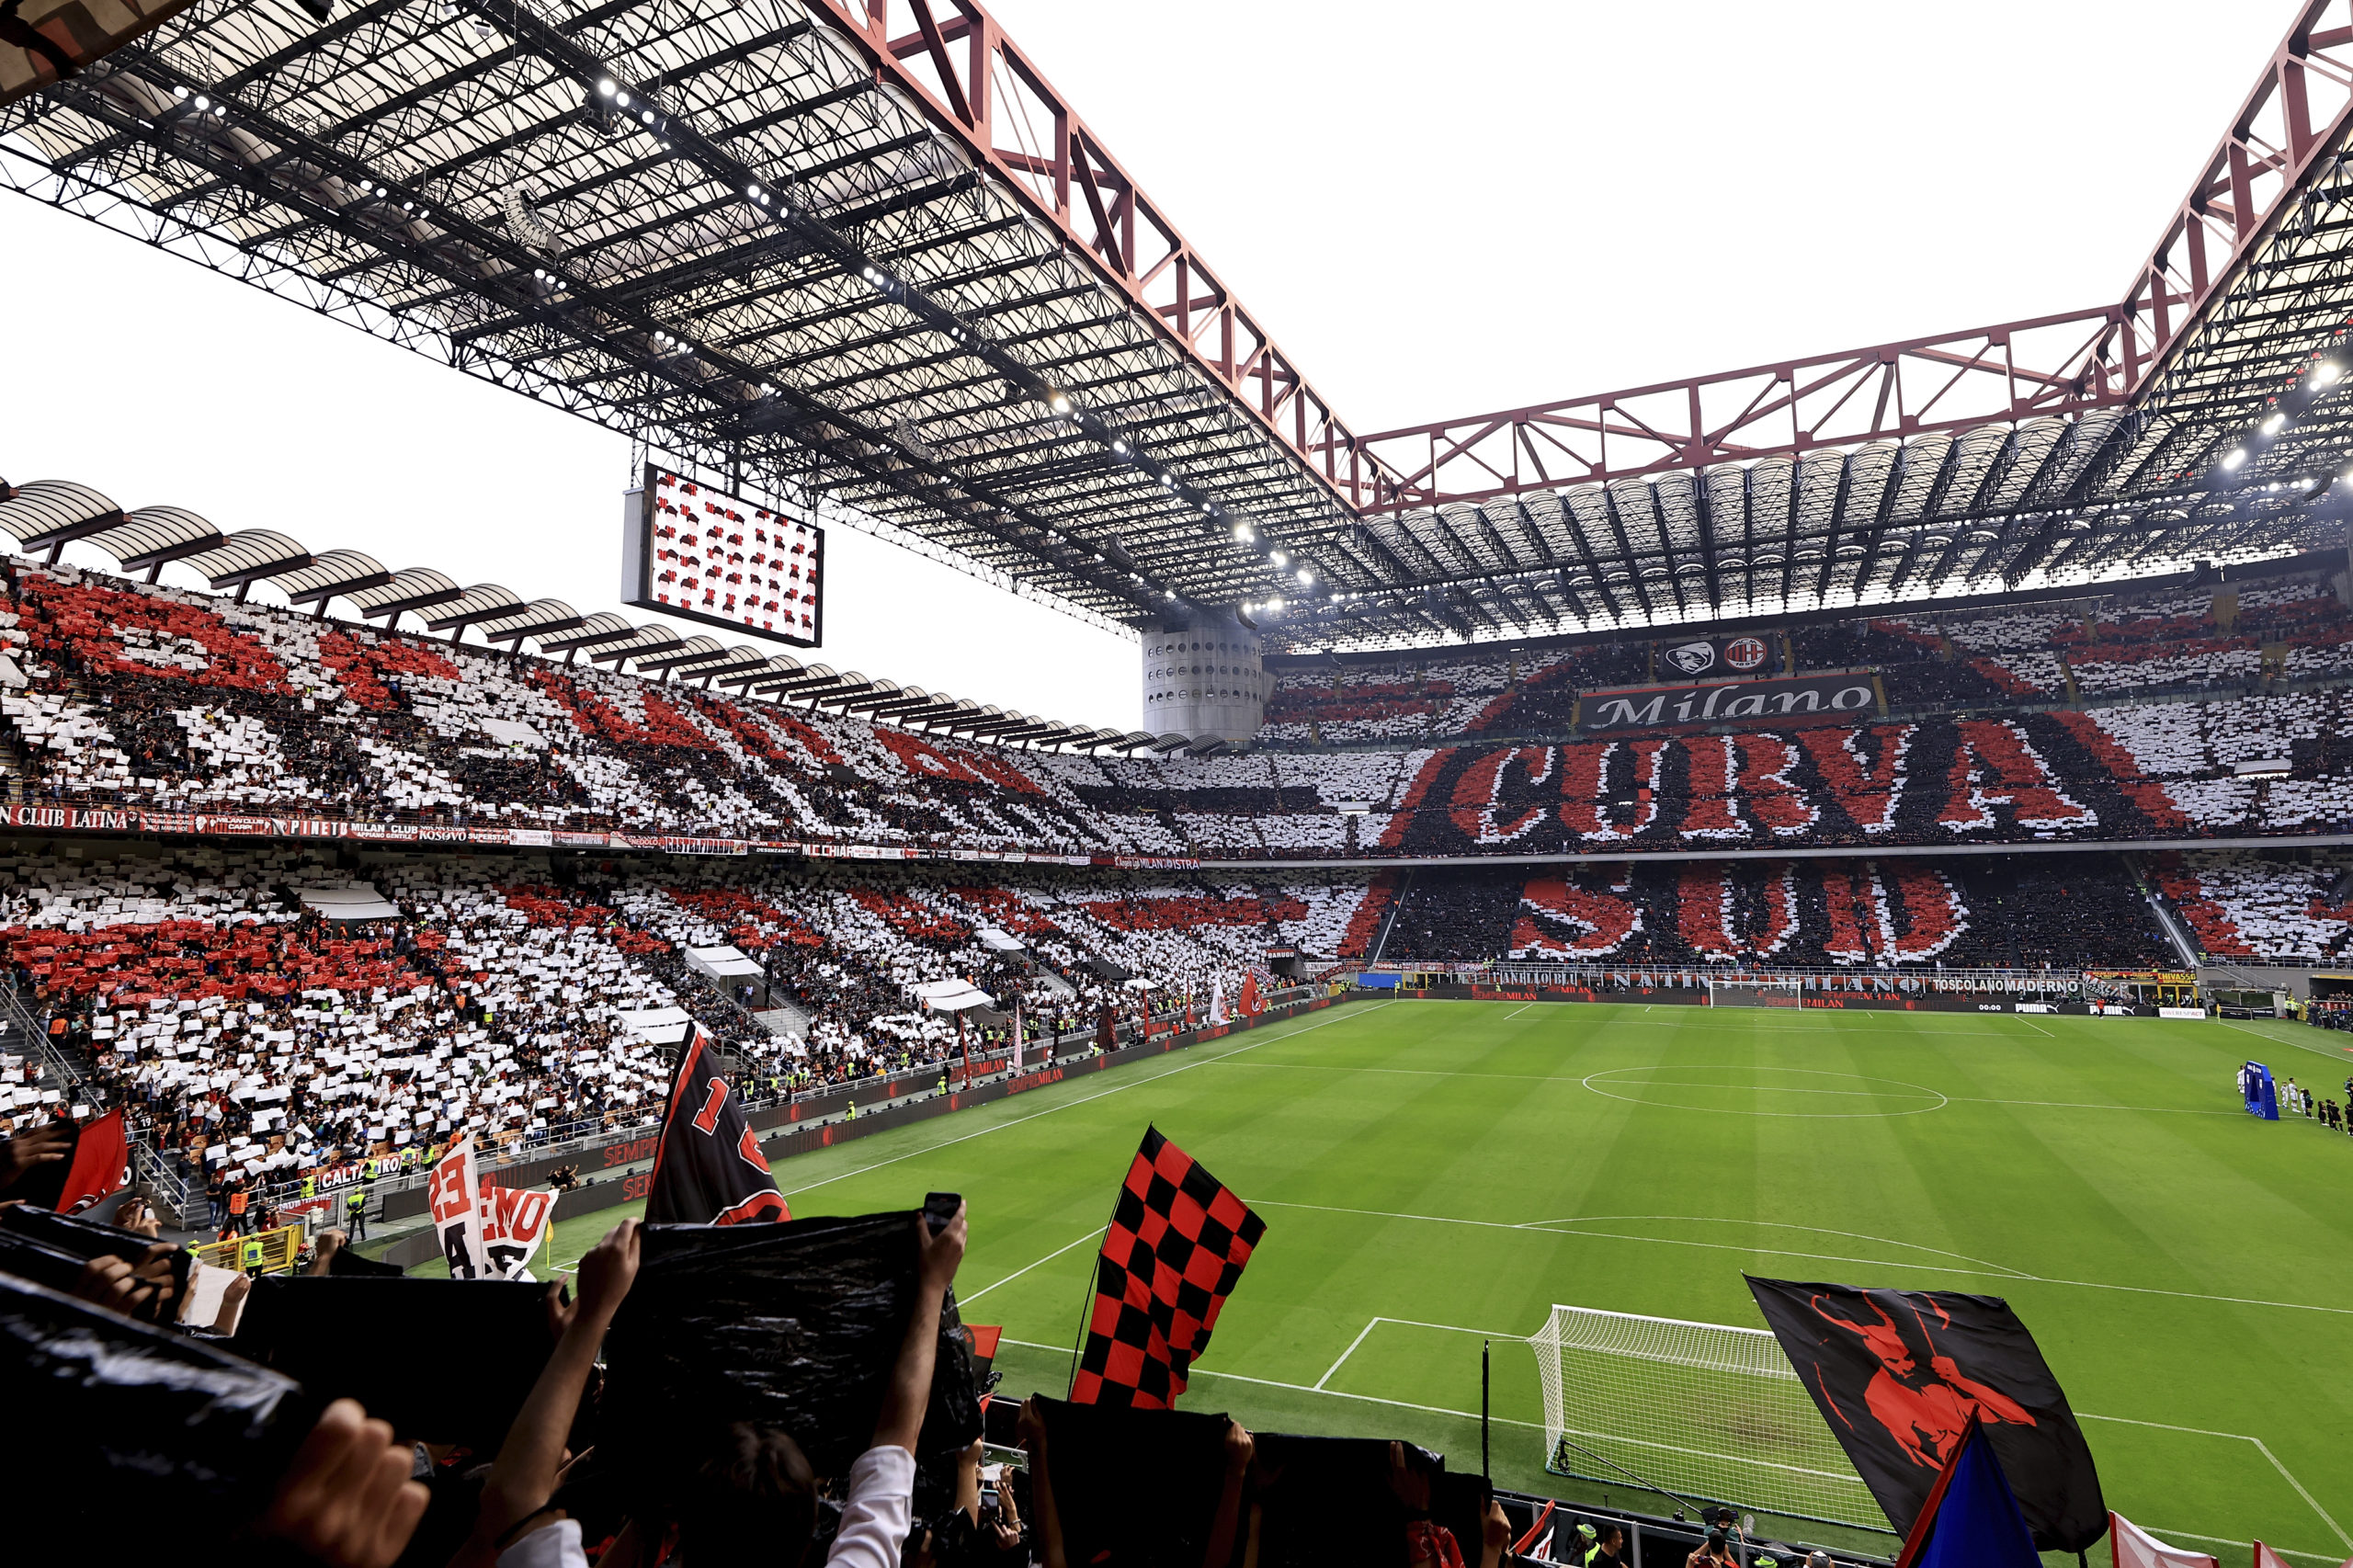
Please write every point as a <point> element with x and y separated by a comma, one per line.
<point>1057,402</point>
<point>605,87</point>
<point>202,103</point>
<point>1120,449</point>
<point>2233,459</point>
<point>1243,534</point>
<point>2272,425</point>
<point>1281,559</point>
<point>1305,576</point>
<point>2326,375</point>
<point>620,99</point>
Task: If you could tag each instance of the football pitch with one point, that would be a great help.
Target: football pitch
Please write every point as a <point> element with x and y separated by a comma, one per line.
<point>1437,1174</point>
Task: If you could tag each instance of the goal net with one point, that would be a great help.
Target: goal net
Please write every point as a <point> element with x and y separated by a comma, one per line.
<point>1710,1413</point>
<point>1755,991</point>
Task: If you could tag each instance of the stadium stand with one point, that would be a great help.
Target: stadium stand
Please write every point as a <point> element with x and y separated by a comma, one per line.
<point>1997,910</point>
<point>143,696</point>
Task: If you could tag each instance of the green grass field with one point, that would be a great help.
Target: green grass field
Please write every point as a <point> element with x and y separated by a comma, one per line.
<point>1432,1172</point>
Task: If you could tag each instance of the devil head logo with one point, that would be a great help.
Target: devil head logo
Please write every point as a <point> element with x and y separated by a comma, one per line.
<point>1692,658</point>
<point>1926,1408</point>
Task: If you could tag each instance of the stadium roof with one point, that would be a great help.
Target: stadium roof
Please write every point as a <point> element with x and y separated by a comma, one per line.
<point>53,513</point>
<point>866,250</point>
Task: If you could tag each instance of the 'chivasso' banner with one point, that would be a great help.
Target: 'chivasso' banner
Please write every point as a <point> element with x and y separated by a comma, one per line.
<point>1774,702</point>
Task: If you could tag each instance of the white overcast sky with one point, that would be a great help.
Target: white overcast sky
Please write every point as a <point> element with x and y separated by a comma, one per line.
<point>1436,211</point>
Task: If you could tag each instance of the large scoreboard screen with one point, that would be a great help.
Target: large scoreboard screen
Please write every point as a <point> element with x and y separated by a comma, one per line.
<point>699,554</point>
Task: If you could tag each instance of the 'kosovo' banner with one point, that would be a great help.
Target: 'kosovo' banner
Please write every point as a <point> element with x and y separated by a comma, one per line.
<point>1900,1374</point>
<point>707,1169</point>
<point>1174,1252</point>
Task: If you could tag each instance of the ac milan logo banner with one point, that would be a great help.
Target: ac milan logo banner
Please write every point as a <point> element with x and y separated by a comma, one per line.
<point>708,1168</point>
<point>1174,1250</point>
<point>1899,1375</point>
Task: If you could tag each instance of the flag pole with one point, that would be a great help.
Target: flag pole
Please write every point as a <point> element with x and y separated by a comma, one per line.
<point>1485,1473</point>
<point>1087,1309</point>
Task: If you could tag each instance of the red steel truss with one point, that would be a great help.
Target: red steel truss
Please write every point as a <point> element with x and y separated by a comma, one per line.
<point>954,60</point>
<point>2050,365</point>
<point>2295,116</point>
<point>2277,142</point>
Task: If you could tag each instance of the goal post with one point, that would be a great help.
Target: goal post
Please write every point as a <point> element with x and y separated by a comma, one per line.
<point>1707,1412</point>
<point>1756,991</point>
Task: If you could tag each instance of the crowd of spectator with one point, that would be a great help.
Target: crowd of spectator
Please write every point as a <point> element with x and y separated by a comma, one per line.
<point>251,1034</point>
<point>169,701</point>
<point>2062,912</point>
<point>2291,907</point>
<point>2205,640</point>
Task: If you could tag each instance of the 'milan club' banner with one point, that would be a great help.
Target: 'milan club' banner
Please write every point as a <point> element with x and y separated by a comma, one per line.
<point>1900,1374</point>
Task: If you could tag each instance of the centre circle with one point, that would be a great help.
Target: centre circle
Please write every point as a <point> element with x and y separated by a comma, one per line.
<point>1775,1091</point>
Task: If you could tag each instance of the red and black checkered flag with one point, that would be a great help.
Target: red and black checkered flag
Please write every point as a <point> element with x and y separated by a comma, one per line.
<point>1174,1250</point>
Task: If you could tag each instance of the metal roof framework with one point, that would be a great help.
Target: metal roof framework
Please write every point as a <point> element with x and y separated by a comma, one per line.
<point>721,233</point>
<point>862,249</point>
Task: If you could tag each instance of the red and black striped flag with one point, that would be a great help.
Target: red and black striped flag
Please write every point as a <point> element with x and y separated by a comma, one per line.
<point>1174,1252</point>
<point>708,1168</point>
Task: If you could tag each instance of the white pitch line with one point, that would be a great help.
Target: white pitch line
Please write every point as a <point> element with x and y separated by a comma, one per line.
<point>1516,1012</point>
<point>2292,1044</point>
<point>1409,1322</point>
<point>1351,1350</point>
<point>1302,1388</point>
<point>968,1301</point>
<point>2261,1446</point>
<point>2038,1028</point>
<point>1981,1271</point>
<point>1083,1099</point>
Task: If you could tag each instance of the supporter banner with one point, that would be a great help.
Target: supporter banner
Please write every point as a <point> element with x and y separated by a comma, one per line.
<point>489,835</point>
<point>1901,1375</point>
<point>530,837</point>
<point>309,827</point>
<point>429,834</point>
<point>386,832</point>
<point>1146,862</point>
<point>1767,701</point>
<point>452,1195</point>
<point>673,843</point>
<point>71,817</point>
<point>513,1224</point>
<point>1700,657</point>
<point>563,840</point>
<point>242,827</point>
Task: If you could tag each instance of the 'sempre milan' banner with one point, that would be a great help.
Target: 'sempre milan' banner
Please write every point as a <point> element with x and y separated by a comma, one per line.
<point>1174,1252</point>
<point>1899,1374</point>
<point>708,1168</point>
<point>453,1196</point>
<point>1771,701</point>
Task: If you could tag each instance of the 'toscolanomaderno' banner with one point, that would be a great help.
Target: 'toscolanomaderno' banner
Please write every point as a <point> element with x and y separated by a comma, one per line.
<point>1780,700</point>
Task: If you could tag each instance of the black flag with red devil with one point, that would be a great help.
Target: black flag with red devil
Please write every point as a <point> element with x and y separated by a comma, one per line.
<point>707,1169</point>
<point>1899,1375</point>
<point>1174,1252</point>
